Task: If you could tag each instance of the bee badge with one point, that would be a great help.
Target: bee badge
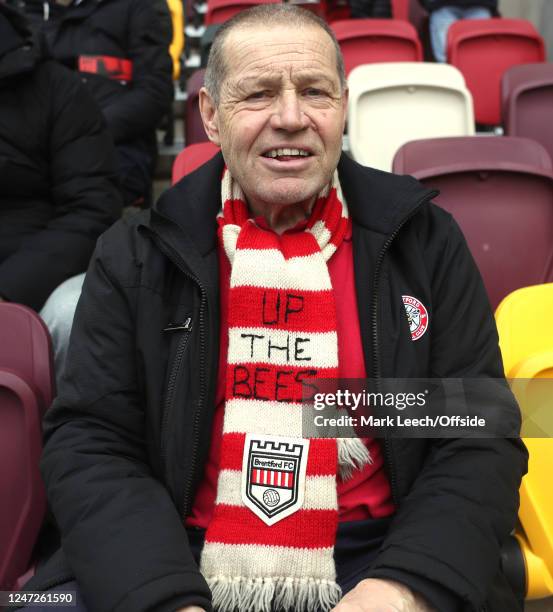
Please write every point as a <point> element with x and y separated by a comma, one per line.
<point>417,316</point>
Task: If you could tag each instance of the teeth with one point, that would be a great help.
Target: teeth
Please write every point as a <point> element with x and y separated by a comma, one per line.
<point>288,152</point>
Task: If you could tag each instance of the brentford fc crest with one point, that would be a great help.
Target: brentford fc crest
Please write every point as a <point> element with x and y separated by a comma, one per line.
<point>417,316</point>
<point>273,476</point>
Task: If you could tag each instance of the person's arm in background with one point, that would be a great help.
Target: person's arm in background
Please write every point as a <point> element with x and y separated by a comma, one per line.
<point>84,193</point>
<point>150,93</point>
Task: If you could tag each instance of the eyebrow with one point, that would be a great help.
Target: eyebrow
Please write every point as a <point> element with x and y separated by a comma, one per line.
<point>298,78</point>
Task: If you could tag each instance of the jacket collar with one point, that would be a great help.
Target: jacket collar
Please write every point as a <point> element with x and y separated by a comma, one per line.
<point>378,201</point>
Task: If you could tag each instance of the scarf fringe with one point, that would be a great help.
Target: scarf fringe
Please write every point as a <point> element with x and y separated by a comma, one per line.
<point>273,593</point>
<point>352,455</point>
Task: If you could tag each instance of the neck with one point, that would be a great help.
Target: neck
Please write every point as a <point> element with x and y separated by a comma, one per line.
<point>282,218</point>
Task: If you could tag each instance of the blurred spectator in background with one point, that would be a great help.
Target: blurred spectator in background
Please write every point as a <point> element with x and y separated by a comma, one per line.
<point>370,8</point>
<point>58,188</point>
<point>445,12</point>
<point>120,48</point>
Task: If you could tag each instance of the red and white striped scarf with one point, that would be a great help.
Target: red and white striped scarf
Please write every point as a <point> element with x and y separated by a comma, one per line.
<point>282,330</point>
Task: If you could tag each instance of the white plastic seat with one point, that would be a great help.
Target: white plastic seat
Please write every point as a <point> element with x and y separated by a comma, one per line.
<point>396,102</point>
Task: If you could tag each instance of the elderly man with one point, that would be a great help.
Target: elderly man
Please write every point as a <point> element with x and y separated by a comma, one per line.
<point>278,261</point>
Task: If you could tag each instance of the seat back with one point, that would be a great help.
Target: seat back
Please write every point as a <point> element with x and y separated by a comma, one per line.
<point>26,391</point>
<point>336,10</point>
<point>500,191</point>
<point>219,11</point>
<point>192,157</point>
<point>526,339</point>
<point>177,43</point>
<point>527,101</point>
<point>193,126</point>
<point>483,49</point>
<point>369,41</point>
<point>393,103</point>
<point>400,9</point>
<point>26,348</point>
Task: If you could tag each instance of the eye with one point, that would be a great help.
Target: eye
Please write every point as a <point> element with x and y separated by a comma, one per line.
<point>257,95</point>
<point>314,92</point>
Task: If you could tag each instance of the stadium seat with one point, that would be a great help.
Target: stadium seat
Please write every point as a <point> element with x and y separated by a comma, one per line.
<point>26,391</point>
<point>337,10</point>
<point>500,191</point>
<point>192,157</point>
<point>527,102</point>
<point>483,49</point>
<point>369,41</point>
<point>177,43</point>
<point>526,339</point>
<point>219,11</point>
<point>392,103</point>
<point>206,41</point>
<point>400,9</point>
<point>193,126</point>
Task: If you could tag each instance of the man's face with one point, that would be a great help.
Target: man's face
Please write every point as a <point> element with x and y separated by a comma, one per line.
<point>281,113</point>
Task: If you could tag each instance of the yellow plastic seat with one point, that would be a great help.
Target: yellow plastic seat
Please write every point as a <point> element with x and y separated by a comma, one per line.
<point>177,44</point>
<point>525,326</point>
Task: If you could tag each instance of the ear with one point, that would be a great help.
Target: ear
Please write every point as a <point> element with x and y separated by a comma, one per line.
<point>210,116</point>
<point>345,99</point>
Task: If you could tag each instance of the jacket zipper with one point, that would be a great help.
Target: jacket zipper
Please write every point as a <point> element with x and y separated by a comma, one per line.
<point>173,377</point>
<point>376,373</point>
<point>183,342</point>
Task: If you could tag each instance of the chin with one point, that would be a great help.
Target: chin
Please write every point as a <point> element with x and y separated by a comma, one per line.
<point>290,194</point>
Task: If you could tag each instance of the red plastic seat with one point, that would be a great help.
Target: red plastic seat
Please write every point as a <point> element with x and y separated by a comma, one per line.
<point>400,9</point>
<point>337,10</point>
<point>527,102</point>
<point>370,41</point>
<point>500,191</point>
<point>483,49</point>
<point>192,157</point>
<point>219,11</point>
<point>26,391</point>
<point>193,126</point>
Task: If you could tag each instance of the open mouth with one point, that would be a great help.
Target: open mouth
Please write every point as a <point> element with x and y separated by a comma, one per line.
<point>287,154</point>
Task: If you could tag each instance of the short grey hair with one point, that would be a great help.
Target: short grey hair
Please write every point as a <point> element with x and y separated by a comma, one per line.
<point>266,15</point>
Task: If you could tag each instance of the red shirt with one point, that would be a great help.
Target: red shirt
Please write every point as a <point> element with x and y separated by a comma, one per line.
<point>367,493</point>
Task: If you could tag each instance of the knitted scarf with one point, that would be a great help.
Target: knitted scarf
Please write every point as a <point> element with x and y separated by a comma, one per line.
<point>270,543</point>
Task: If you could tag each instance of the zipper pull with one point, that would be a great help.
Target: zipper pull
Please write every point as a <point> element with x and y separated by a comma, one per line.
<point>46,10</point>
<point>186,325</point>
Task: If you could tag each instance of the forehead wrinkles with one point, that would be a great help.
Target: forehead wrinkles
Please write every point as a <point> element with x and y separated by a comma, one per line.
<point>254,56</point>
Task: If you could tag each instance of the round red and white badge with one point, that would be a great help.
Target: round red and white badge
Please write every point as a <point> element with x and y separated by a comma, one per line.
<point>417,316</point>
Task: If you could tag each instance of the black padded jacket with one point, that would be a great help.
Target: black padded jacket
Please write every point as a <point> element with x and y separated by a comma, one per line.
<point>128,436</point>
<point>126,29</point>
<point>58,190</point>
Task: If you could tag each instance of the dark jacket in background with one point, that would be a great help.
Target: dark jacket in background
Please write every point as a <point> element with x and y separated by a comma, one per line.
<point>370,8</point>
<point>126,29</point>
<point>433,5</point>
<point>58,189</point>
<point>128,435</point>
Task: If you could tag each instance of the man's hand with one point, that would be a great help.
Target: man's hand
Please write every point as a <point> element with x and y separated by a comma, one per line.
<point>375,595</point>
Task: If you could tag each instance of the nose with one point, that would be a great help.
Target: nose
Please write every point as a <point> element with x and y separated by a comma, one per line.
<point>288,114</point>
